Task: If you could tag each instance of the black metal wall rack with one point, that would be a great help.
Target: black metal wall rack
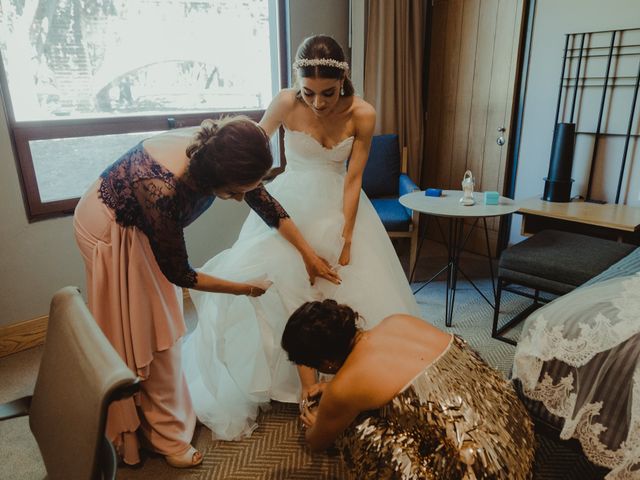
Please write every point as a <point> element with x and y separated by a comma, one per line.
<point>611,45</point>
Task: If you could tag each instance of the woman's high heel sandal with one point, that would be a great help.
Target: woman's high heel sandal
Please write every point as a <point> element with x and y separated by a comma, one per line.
<point>190,458</point>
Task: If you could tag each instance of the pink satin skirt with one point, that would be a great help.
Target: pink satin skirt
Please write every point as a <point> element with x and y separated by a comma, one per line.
<point>141,314</point>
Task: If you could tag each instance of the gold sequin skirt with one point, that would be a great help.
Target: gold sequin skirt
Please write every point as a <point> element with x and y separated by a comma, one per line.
<point>458,419</point>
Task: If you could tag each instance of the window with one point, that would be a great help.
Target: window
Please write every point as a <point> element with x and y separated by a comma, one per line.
<point>85,80</point>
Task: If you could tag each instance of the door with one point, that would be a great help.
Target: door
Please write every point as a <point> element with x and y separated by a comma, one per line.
<point>472,74</point>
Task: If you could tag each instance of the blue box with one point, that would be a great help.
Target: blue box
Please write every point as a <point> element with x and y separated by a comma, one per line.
<point>491,198</point>
<point>433,192</point>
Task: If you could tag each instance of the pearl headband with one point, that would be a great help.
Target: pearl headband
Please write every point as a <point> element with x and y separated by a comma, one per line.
<point>323,62</point>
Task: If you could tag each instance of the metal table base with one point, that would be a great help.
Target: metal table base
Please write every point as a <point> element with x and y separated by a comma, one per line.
<point>456,242</point>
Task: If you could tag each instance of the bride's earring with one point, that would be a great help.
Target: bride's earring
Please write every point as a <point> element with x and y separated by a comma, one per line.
<point>342,90</point>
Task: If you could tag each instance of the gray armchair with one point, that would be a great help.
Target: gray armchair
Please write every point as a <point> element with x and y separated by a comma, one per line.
<point>80,374</point>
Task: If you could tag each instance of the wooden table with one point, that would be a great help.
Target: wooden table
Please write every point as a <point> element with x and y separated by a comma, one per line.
<point>617,222</point>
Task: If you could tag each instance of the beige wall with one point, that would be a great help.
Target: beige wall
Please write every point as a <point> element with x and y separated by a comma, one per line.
<point>39,258</point>
<point>552,20</point>
<point>313,17</point>
<point>358,44</point>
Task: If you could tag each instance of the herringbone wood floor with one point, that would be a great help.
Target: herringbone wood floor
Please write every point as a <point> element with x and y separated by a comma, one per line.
<point>276,449</point>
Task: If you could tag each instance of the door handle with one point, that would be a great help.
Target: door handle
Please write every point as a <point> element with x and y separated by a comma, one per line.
<point>500,140</point>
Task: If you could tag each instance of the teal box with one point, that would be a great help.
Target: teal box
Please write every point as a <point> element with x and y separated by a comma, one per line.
<point>491,198</point>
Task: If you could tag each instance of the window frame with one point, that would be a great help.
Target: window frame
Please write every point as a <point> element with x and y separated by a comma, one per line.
<point>22,132</point>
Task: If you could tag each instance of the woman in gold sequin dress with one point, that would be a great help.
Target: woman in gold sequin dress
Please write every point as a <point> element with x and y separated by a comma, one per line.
<point>407,401</point>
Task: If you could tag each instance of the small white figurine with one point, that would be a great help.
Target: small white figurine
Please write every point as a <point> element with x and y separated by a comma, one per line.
<point>467,188</point>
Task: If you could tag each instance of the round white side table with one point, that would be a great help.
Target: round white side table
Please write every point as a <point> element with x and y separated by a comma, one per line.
<point>448,206</point>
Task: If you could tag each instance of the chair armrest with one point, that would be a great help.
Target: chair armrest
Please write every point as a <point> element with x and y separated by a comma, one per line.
<point>108,460</point>
<point>126,390</point>
<point>15,408</point>
<point>406,185</point>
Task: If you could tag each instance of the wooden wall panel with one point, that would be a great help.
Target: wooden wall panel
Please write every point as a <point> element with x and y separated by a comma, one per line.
<point>501,96</point>
<point>464,91</point>
<point>515,39</point>
<point>478,126</point>
<point>436,87</point>
<point>474,53</point>
<point>449,89</point>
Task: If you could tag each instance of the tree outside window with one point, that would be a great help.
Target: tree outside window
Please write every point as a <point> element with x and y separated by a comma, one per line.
<point>84,80</point>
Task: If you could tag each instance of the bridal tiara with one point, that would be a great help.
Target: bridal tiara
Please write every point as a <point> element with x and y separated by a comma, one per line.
<point>324,62</point>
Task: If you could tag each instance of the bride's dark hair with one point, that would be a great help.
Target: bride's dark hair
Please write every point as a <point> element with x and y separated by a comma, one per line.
<point>323,47</point>
<point>320,331</point>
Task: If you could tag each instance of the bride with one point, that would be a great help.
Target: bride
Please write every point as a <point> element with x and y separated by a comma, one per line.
<point>234,363</point>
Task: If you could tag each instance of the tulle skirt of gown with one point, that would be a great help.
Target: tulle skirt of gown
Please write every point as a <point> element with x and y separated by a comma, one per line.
<point>233,360</point>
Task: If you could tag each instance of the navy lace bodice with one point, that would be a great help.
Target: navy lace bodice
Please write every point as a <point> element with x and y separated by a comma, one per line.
<point>146,195</point>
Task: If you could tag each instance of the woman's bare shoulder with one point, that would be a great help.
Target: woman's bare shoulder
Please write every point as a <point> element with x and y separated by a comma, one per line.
<point>363,115</point>
<point>286,98</point>
<point>362,109</point>
<point>279,110</point>
<point>354,383</point>
<point>397,318</point>
<point>282,105</point>
<point>359,379</point>
<point>405,325</point>
<point>178,138</point>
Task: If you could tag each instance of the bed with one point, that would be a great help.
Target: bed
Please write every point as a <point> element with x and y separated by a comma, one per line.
<point>577,367</point>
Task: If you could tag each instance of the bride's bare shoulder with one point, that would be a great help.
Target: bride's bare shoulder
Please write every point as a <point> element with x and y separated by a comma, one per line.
<point>363,115</point>
<point>286,98</point>
<point>362,109</point>
<point>280,109</point>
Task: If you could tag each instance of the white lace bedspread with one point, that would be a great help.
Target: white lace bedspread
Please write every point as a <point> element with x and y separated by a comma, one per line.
<point>580,356</point>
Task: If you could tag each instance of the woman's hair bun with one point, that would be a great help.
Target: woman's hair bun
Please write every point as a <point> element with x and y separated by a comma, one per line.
<point>230,151</point>
<point>205,134</point>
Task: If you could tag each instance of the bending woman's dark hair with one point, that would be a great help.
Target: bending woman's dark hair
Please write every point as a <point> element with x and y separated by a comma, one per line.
<point>318,332</point>
<point>230,151</point>
<point>323,47</point>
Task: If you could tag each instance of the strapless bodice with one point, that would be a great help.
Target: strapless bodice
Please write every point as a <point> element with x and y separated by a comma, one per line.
<point>304,152</point>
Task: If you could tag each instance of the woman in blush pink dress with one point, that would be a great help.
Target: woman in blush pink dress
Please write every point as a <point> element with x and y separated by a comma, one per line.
<point>129,227</point>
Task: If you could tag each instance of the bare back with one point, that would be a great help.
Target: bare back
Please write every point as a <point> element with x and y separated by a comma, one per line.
<point>387,358</point>
<point>169,148</point>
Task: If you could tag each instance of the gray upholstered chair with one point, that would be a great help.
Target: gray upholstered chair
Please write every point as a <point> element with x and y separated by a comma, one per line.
<point>551,261</point>
<point>80,374</point>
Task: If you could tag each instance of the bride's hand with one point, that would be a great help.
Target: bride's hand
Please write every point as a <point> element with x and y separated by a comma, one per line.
<point>258,286</point>
<point>345,255</point>
<point>318,267</point>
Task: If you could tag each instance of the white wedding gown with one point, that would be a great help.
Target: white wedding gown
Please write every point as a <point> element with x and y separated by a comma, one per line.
<point>233,360</point>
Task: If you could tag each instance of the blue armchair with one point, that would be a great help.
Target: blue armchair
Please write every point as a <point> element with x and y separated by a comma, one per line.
<point>384,181</point>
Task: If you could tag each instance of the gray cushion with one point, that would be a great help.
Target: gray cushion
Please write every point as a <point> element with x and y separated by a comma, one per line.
<point>535,281</point>
<point>557,258</point>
